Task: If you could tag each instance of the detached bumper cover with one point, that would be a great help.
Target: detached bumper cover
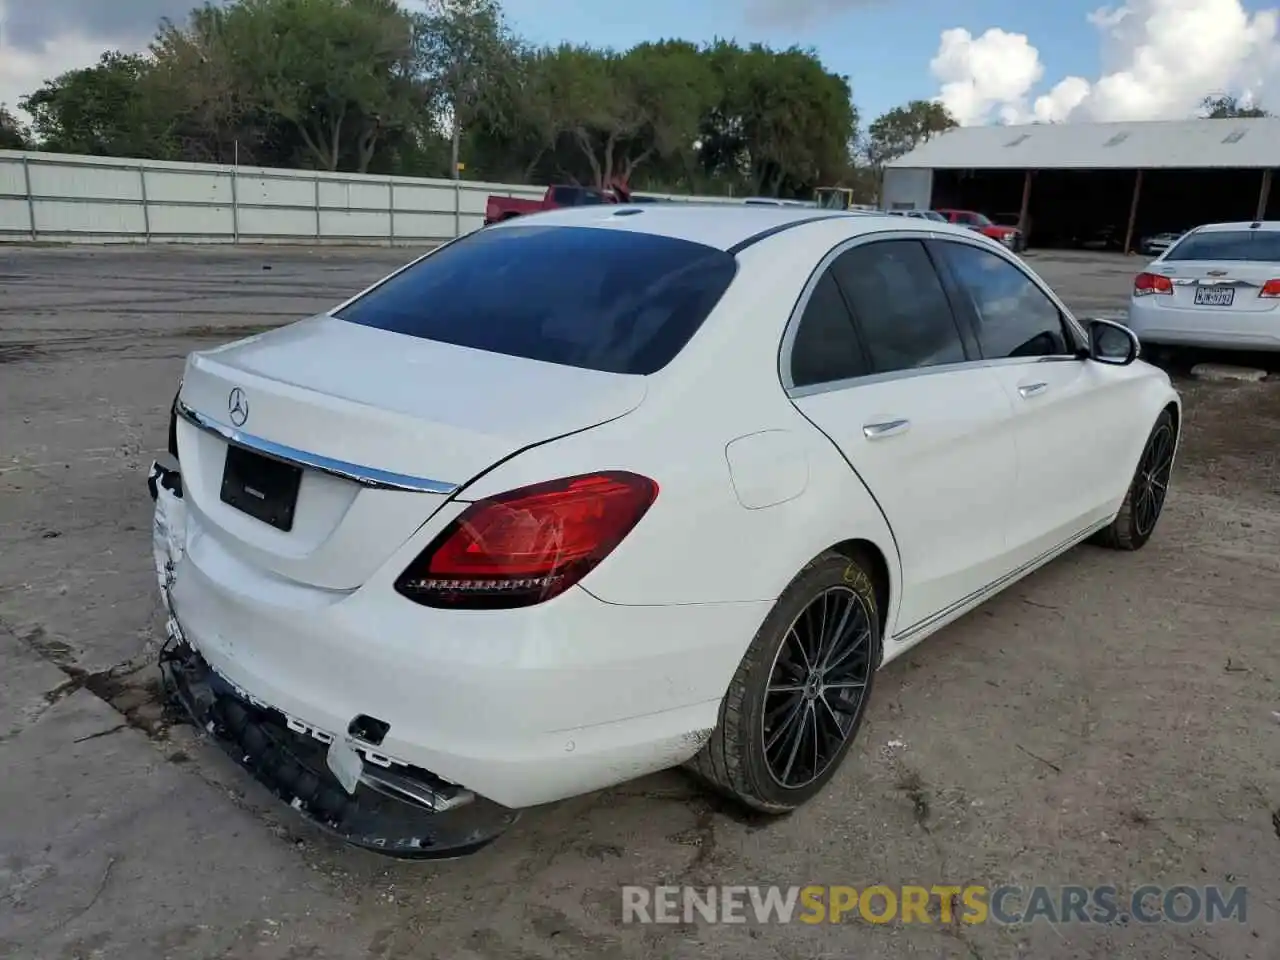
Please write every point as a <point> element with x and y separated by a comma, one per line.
<point>292,766</point>
<point>402,811</point>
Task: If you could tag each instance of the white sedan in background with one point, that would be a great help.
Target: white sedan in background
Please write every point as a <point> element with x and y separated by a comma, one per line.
<point>1216,287</point>
<point>919,215</point>
<point>605,491</point>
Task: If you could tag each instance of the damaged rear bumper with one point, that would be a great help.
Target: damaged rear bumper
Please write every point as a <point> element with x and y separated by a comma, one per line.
<point>395,809</point>
<point>404,812</point>
<point>524,707</point>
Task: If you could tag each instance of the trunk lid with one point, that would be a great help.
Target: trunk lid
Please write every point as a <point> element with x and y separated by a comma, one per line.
<point>385,427</point>
<point>1218,284</point>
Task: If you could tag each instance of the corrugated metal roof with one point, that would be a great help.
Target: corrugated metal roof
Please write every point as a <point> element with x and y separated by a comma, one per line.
<point>1241,143</point>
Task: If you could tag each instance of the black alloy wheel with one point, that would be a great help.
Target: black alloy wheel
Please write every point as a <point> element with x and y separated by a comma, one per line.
<point>799,695</point>
<point>1144,503</point>
<point>1152,482</point>
<point>817,687</point>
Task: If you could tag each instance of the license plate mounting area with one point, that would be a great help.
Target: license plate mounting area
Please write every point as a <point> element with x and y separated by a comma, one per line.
<point>261,486</point>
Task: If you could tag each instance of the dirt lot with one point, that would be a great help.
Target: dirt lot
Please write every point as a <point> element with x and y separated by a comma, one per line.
<point>1109,720</point>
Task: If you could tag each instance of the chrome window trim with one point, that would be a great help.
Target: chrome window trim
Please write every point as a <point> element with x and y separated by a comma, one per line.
<point>793,321</point>
<point>797,393</point>
<point>366,476</point>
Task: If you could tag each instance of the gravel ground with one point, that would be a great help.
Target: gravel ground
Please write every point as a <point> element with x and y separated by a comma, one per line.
<point>1109,720</point>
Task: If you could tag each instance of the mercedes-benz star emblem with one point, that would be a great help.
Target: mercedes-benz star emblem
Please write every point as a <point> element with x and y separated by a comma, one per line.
<point>238,407</point>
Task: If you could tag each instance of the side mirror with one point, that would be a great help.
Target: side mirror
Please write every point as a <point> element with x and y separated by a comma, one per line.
<point>1113,343</point>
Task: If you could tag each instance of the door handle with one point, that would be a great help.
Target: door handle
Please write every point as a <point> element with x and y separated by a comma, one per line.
<point>874,431</point>
<point>1032,389</point>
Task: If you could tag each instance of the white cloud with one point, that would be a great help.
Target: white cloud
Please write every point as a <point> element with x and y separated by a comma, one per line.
<point>28,60</point>
<point>23,71</point>
<point>984,75</point>
<point>1059,103</point>
<point>1160,58</point>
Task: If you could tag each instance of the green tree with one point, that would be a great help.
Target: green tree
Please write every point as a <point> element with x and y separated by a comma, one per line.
<point>471,63</point>
<point>12,134</point>
<point>100,110</point>
<point>211,117</point>
<point>782,124</point>
<point>339,72</point>
<point>623,111</point>
<point>902,129</point>
<point>1226,107</point>
<point>363,85</point>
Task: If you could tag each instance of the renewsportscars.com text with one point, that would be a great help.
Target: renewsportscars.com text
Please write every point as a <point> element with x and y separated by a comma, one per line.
<point>942,904</point>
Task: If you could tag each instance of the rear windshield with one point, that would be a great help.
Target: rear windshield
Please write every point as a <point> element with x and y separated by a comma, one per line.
<point>611,300</point>
<point>1228,245</point>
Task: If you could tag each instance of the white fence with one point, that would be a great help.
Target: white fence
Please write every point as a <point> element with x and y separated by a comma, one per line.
<point>60,198</point>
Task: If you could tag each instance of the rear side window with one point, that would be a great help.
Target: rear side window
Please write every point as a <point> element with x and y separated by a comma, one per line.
<point>826,347</point>
<point>1228,245</point>
<point>612,300</point>
<point>899,303</point>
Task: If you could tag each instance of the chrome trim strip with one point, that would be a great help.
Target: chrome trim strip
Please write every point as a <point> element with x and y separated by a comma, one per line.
<point>407,789</point>
<point>1199,282</point>
<point>797,393</point>
<point>995,586</point>
<point>367,476</point>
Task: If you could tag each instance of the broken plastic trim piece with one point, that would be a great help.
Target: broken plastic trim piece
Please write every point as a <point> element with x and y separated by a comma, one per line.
<point>391,817</point>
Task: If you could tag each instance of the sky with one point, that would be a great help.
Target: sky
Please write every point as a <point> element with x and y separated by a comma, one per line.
<point>988,61</point>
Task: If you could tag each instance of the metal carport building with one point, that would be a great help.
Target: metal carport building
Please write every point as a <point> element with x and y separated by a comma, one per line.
<point>1103,184</point>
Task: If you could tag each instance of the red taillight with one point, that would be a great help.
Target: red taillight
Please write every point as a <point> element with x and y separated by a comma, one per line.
<point>1145,284</point>
<point>1270,289</point>
<point>528,545</point>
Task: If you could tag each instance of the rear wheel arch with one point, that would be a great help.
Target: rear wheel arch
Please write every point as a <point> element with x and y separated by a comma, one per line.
<point>736,760</point>
<point>873,559</point>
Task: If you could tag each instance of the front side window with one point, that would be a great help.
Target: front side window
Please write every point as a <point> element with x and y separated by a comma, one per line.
<point>900,306</point>
<point>1015,318</point>
<point>618,301</point>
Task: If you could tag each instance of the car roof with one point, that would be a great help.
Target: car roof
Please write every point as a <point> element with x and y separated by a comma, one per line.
<point>1269,226</point>
<point>725,226</point>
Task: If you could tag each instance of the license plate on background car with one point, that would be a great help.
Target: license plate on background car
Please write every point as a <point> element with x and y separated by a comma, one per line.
<point>1215,296</point>
<point>261,487</point>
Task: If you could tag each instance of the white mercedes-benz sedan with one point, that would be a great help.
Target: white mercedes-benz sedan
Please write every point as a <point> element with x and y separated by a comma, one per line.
<point>1216,287</point>
<point>611,490</point>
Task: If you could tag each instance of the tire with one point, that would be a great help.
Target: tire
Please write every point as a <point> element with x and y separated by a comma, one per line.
<point>1136,521</point>
<point>736,761</point>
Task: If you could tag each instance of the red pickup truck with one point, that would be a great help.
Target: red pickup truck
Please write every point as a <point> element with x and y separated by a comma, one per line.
<point>1011,237</point>
<point>504,208</point>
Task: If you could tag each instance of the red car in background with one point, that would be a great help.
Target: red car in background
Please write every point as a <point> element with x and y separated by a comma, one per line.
<point>1011,237</point>
<point>504,208</point>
